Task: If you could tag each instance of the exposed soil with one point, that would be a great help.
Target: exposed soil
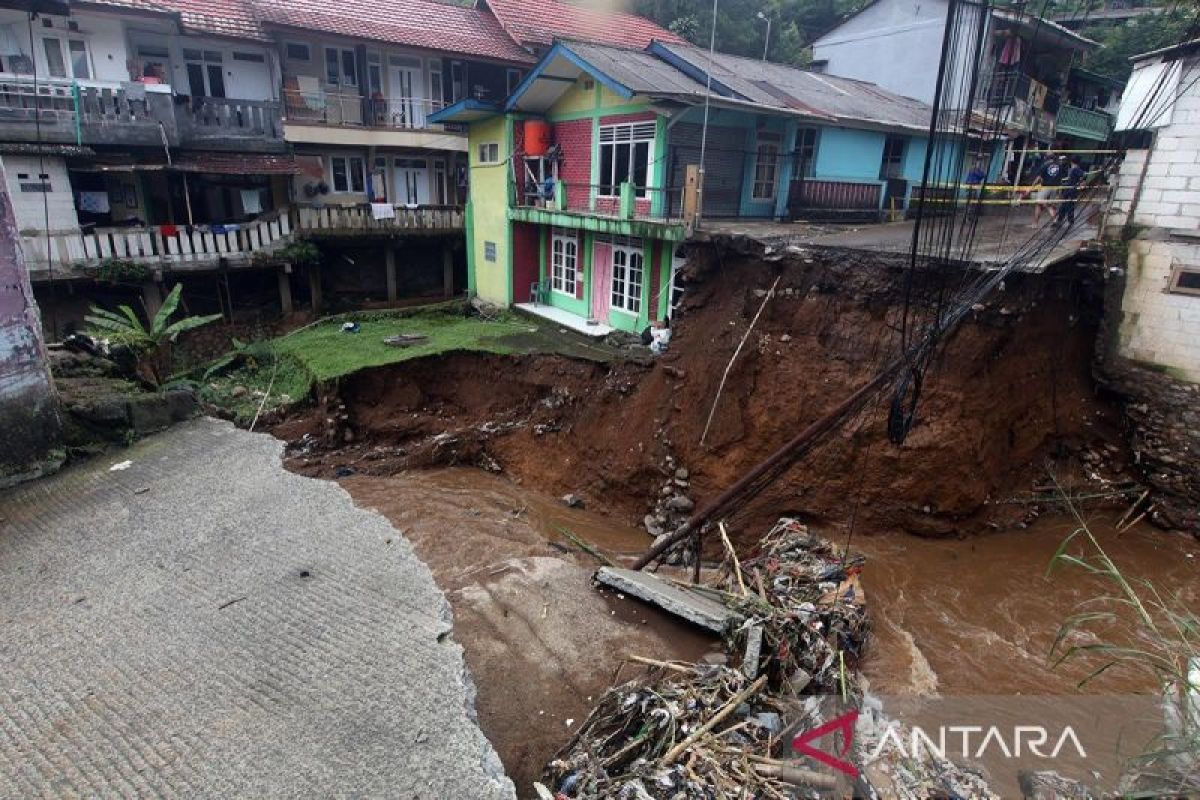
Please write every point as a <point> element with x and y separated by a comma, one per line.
<point>1011,391</point>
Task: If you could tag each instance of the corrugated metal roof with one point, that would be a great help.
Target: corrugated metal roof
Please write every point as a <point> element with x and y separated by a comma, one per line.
<point>637,70</point>
<point>779,85</point>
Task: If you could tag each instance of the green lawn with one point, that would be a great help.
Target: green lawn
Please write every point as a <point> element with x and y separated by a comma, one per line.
<point>285,369</point>
<point>327,351</point>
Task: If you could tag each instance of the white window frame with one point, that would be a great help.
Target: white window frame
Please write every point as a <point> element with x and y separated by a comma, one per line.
<point>342,77</point>
<point>63,42</point>
<point>626,294</point>
<point>436,92</point>
<point>348,161</point>
<point>488,153</point>
<point>564,262</point>
<point>768,146</point>
<point>631,134</point>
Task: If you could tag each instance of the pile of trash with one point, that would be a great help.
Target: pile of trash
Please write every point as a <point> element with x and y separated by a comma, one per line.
<point>805,615</point>
<point>704,731</point>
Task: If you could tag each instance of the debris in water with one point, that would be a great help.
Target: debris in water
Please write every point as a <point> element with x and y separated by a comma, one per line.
<point>120,465</point>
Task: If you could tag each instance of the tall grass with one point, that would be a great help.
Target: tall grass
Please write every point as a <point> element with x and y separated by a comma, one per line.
<point>1130,624</point>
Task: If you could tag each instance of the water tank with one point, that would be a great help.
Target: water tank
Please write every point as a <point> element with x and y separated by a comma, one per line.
<point>537,137</point>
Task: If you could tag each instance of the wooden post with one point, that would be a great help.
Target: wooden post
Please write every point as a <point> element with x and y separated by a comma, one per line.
<point>285,289</point>
<point>691,193</point>
<point>314,287</point>
<point>447,270</point>
<point>389,256</point>
<point>151,297</point>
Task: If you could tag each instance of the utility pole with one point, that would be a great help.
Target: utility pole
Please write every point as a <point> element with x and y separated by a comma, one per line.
<point>767,40</point>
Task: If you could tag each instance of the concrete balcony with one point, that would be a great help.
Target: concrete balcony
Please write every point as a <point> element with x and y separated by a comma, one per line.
<point>624,209</point>
<point>66,112</point>
<point>1081,122</point>
<point>220,123</point>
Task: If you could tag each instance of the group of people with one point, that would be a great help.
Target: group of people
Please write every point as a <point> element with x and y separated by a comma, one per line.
<point>1057,189</point>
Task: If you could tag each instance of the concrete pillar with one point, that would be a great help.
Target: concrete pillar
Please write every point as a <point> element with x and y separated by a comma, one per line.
<point>390,265</point>
<point>447,270</point>
<point>152,298</point>
<point>314,287</point>
<point>285,289</point>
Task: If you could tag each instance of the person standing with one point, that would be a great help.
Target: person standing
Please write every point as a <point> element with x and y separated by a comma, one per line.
<point>1071,183</point>
<point>1048,181</point>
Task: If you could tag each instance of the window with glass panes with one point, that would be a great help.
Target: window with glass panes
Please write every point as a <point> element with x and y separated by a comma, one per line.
<point>625,152</point>
<point>627,271</point>
<point>766,161</point>
<point>564,262</point>
<point>805,154</point>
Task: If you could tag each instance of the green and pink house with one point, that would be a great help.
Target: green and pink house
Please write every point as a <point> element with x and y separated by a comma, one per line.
<point>585,180</point>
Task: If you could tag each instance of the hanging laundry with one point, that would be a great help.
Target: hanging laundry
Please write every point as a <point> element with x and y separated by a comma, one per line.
<point>168,230</point>
<point>383,211</point>
<point>252,201</point>
<point>218,229</point>
<point>95,202</point>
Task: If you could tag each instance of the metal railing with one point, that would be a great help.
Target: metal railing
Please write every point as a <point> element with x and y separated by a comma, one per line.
<point>1076,121</point>
<point>350,108</point>
<point>622,201</point>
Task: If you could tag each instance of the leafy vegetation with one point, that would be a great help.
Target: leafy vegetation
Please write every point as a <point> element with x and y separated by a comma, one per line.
<point>1143,34</point>
<point>1134,625</point>
<point>120,270</point>
<point>150,345</point>
<point>794,23</point>
<point>299,253</point>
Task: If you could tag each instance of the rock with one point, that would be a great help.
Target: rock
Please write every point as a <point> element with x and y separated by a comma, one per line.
<point>651,525</point>
<point>682,484</point>
<point>681,503</point>
<point>572,501</point>
<point>787,337</point>
<point>682,473</point>
<point>239,391</point>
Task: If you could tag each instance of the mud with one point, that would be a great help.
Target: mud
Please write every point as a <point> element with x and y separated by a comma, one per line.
<point>1011,392</point>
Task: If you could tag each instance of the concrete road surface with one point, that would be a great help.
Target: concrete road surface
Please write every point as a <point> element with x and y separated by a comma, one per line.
<point>202,623</point>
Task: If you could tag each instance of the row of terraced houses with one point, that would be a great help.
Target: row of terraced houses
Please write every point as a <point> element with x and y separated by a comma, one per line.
<point>530,152</point>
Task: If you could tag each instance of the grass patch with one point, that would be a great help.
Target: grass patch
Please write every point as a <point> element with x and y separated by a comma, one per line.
<point>328,352</point>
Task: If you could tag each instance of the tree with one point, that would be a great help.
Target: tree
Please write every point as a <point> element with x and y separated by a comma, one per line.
<point>1143,34</point>
<point>151,346</point>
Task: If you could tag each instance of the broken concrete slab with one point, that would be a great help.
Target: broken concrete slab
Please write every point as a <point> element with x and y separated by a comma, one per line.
<point>692,606</point>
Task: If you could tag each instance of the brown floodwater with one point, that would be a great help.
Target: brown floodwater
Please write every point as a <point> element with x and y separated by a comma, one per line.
<point>951,617</point>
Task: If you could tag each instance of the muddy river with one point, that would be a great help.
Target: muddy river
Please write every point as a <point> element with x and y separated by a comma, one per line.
<point>951,617</point>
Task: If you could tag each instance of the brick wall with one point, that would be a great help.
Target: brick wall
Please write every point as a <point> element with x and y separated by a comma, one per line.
<point>575,140</point>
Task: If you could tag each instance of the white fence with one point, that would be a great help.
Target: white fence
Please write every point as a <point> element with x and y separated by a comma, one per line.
<point>207,244</point>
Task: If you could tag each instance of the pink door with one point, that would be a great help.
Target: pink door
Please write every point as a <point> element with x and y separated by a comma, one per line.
<point>601,280</point>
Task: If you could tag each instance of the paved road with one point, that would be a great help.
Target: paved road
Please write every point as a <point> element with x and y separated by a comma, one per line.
<point>205,624</point>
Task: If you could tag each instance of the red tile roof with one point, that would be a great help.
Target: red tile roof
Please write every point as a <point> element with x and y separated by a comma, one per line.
<point>540,22</point>
<point>234,18</point>
<point>418,23</point>
<point>240,163</point>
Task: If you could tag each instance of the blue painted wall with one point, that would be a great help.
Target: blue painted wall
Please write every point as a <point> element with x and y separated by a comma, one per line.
<point>849,154</point>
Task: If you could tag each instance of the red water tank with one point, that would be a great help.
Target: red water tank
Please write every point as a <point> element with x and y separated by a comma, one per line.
<point>537,137</point>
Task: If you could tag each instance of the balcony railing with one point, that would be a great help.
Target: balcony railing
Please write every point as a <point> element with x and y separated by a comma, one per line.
<point>66,111</point>
<point>623,201</point>
<point>201,246</point>
<point>1075,121</point>
<point>349,108</point>
<point>203,119</point>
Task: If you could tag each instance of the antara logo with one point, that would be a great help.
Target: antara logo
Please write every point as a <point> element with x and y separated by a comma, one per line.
<point>965,741</point>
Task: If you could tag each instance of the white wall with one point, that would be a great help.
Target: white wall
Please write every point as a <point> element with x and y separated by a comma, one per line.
<point>244,80</point>
<point>104,34</point>
<point>30,208</point>
<point>895,44</point>
<point>1159,326</point>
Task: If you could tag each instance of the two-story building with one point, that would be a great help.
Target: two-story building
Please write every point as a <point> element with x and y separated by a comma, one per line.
<point>1025,66</point>
<point>587,178</point>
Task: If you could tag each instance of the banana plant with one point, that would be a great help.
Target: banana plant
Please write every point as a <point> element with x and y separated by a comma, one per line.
<point>151,345</point>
